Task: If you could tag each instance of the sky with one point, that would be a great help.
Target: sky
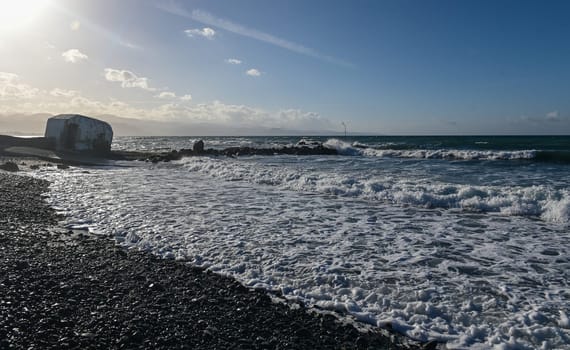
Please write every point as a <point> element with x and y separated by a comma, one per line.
<point>380,67</point>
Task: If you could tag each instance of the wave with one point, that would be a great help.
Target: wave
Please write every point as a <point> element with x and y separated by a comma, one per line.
<point>399,151</point>
<point>540,201</point>
<point>470,280</point>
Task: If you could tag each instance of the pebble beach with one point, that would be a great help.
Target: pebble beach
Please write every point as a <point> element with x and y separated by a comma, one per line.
<point>72,290</point>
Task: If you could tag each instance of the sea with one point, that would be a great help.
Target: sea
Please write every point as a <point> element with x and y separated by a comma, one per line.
<point>460,239</point>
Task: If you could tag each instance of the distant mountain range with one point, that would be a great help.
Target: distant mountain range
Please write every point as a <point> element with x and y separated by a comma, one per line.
<point>34,124</point>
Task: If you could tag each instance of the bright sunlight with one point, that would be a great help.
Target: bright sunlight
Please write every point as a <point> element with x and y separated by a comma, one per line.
<point>16,14</point>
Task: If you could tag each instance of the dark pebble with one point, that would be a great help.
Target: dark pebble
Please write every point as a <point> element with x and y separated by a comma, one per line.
<point>59,292</point>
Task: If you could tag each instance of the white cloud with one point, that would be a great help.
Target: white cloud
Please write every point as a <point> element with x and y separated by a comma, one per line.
<point>206,32</point>
<point>73,56</point>
<point>541,120</point>
<point>553,116</point>
<point>211,20</point>
<point>12,88</point>
<point>75,25</point>
<point>57,92</point>
<point>166,95</point>
<point>31,100</point>
<point>8,77</point>
<point>253,72</point>
<point>214,113</point>
<point>127,79</point>
<point>233,61</point>
<point>229,115</point>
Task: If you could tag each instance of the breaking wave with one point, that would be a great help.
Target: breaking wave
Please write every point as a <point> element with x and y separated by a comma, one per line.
<point>540,201</point>
<point>400,151</point>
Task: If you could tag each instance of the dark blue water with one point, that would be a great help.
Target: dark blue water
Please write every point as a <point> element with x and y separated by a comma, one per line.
<point>539,148</point>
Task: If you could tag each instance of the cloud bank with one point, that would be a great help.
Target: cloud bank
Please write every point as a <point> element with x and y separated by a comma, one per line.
<point>12,88</point>
<point>21,98</point>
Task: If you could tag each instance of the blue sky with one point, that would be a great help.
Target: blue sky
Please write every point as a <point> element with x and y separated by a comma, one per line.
<point>386,67</point>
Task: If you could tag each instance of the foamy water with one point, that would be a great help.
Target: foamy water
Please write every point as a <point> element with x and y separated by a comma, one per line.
<point>471,253</point>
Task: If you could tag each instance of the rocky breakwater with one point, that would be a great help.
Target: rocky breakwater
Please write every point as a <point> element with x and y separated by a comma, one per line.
<point>199,150</point>
<point>62,289</point>
<point>36,142</point>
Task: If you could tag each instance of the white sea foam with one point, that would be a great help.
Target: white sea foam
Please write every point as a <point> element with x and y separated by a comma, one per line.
<point>352,149</point>
<point>411,250</point>
<point>538,200</point>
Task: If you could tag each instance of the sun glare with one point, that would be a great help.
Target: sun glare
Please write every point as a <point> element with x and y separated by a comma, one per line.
<point>17,14</point>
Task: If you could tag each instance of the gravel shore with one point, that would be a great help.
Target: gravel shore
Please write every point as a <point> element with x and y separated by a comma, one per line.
<point>63,289</point>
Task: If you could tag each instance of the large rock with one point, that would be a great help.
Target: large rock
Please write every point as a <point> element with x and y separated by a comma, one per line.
<point>9,166</point>
<point>198,146</point>
<point>78,133</point>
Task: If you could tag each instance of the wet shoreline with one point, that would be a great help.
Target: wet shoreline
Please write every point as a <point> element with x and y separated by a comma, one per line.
<point>66,289</point>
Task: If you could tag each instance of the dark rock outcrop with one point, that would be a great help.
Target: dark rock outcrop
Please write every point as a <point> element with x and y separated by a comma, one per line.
<point>36,142</point>
<point>10,166</point>
<point>198,146</point>
<point>198,150</point>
